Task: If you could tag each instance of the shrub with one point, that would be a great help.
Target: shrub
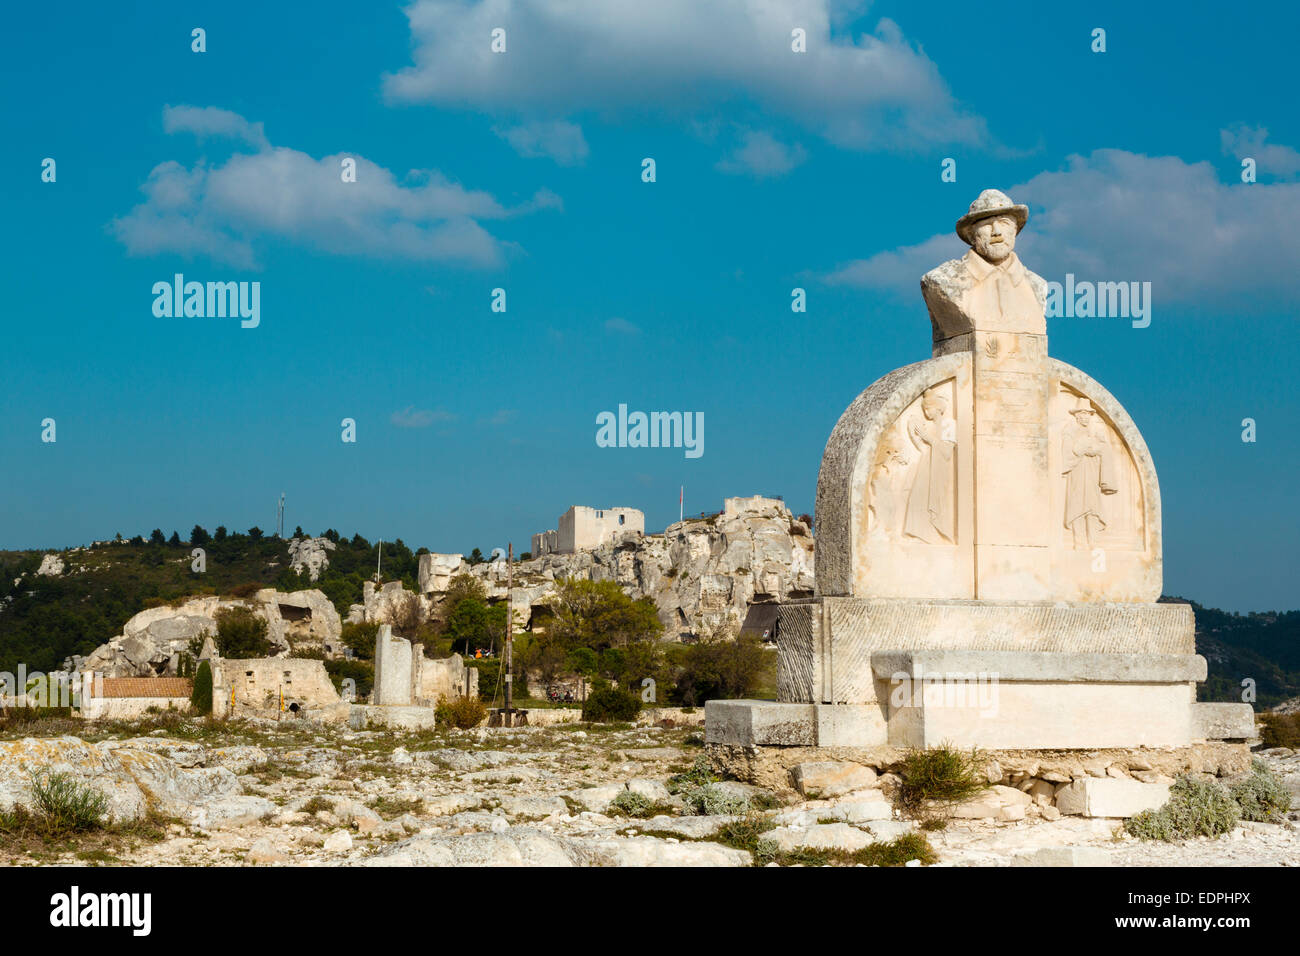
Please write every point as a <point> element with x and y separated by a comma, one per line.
<point>361,673</point>
<point>606,704</point>
<point>711,800</point>
<point>1261,796</point>
<point>241,633</point>
<point>940,775</point>
<point>1195,808</point>
<point>698,776</point>
<point>64,804</point>
<point>896,852</point>
<point>201,696</point>
<point>361,638</point>
<point>717,669</point>
<point>629,803</point>
<point>1280,730</point>
<point>745,832</point>
<point>462,712</point>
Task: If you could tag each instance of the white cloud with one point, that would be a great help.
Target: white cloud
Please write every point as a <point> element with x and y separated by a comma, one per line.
<point>762,155</point>
<point>1271,159</point>
<point>870,91</point>
<point>281,193</point>
<point>412,417</point>
<point>621,326</point>
<point>205,121</point>
<point>555,139</point>
<point>1120,216</point>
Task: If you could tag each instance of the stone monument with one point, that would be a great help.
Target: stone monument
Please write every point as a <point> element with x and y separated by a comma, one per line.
<point>988,556</point>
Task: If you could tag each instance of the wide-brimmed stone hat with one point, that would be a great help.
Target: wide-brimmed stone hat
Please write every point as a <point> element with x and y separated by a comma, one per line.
<point>990,203</point>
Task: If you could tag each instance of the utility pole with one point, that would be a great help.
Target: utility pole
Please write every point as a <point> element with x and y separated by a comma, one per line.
<point>379,563</point>
<point>279,518</point>
<point>510,633</point>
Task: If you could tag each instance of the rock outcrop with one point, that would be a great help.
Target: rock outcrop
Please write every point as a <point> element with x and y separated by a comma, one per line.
<point>702,574</point>
<point>152,641</point>
<point>310,555</point>
<point>135,776</point>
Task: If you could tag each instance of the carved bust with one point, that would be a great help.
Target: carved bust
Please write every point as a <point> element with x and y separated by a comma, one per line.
<point>988,289</point>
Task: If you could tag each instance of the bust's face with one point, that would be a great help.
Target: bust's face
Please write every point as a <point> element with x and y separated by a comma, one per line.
<point>995,238</point>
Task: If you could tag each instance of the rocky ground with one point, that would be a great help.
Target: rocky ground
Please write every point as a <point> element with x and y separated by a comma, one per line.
<point>258,792</point>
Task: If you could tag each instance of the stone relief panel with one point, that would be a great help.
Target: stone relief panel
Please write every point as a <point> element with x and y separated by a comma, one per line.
<point>1097,493</point>
<point>916,538</point>
<point>913,489</point>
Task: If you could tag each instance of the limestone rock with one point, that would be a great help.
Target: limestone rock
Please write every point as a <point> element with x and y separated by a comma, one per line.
<point>1063,856</point>
<point>310,555</point>
<point>152,641</point>
<point>340,841</point>
<point>819,836</point>
<point>51,566</point>
<point>702,574</point>
<point>1108,797</point>
<point>831,778</point>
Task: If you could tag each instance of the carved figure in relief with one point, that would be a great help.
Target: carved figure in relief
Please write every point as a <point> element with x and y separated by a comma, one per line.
<point>930,511</point>
<point>887,487</point>
<point>1089,472</point>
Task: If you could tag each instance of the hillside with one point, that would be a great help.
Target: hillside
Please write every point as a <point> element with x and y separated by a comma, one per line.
<point>45,618</point>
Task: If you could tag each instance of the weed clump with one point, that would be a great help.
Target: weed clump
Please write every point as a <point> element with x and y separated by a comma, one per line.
<point>1195,808</point>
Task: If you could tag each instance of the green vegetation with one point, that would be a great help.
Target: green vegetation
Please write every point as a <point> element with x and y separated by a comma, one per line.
<point>1280,730</point>
<point>897,852</point>
<point>1261,796</point>
<point>241,633</point>
<point>1261,647</point>
<point>463,712</point>
<point>62,805</point>
<point>606,704</point>
<point>48,618</point>
<point>936,779</point>
<point>629,803</point>
<point>1195,808</point>
<point>201,695</point>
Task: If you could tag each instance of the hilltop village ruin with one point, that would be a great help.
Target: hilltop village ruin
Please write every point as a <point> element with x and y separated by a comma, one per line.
<point>717,574</point>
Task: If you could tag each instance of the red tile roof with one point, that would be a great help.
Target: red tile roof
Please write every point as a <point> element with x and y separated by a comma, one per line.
<point>145,687</point>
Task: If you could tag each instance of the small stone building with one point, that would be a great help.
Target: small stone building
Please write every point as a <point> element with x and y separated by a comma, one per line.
<point>122,698</point>
<point>583,529</point>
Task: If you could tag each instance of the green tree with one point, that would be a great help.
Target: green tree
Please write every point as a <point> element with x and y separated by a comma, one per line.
<point>598,615</point>
<point>175,539</point>
<point>473,625</point>
<point>255,533</point>
<point>221,532</point>
<point>201,696</point>
<point>157,537</point>
<point>198,536</point>
<point>241,633</point>
<point>476,556</point>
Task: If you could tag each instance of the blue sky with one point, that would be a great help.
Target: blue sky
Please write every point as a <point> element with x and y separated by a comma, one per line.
<point>774,170</point>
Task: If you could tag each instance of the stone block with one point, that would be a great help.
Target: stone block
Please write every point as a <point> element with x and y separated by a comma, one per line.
<point>1223,721</point>
<point>1063,856</point>
<point>822,779</point>
<point>850,725</point>
<point>754,723</point>
<point>1108,797</point>
<point>1003,700</point>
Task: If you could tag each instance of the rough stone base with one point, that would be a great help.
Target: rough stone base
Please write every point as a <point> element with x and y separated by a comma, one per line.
<point>770,766</point>
<point>363,716</point>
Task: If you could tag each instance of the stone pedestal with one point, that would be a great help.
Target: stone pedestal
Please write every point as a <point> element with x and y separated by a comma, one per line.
<point>988,522</point>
